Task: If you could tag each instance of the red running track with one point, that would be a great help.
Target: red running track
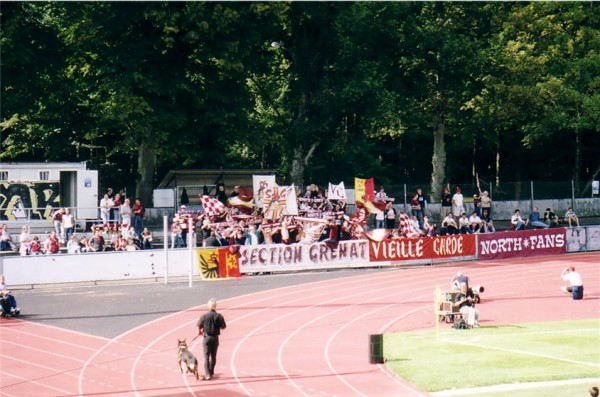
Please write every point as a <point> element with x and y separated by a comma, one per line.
<point>306,340</point>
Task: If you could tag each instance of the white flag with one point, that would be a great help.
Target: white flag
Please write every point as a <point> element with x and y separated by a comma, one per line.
<point>336,192</point>
<point>260,184</point>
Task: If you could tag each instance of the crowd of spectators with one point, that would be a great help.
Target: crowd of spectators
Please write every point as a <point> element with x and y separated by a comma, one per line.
<point>121,226</point>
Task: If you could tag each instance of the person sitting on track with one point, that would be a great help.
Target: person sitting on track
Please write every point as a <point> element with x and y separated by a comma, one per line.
<point>465,301</point>
<point>458,280</point>
<point>576,288</point>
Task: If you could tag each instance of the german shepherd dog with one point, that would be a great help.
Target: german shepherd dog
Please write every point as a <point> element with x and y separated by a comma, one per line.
<point>187,361</point>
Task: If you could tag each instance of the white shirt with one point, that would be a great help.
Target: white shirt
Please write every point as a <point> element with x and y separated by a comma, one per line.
<point>474,219</point>
<point>105,205</point>
<point>574,278</point>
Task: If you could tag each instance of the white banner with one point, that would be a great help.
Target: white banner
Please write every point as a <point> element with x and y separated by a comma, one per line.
<point>280,257</point>
<point>336,192</point>
<point>260,183</point>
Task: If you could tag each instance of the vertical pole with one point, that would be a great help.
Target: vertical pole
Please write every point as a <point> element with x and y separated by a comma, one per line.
<point>531,206</point>
<point>166,248</point>
<point>191,271</point>
<point>573,195</point>
<point>436,311</point>
<point>405,197</point>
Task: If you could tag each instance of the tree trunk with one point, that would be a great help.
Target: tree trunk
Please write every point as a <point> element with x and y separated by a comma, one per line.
<point>577,165</point>
<point>438,159</point>
<point>297,171</point>
<point>145,182</point>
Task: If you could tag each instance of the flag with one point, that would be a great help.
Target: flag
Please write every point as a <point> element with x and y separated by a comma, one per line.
<point>336,192</point>
<point>364,194</point>
<point>407,228</point>
<point>213,208</point>
<point>279,200</point>
<point>260,183</point>
<point>312,228</point>
<point>217,263</point>
<point>291,204</point>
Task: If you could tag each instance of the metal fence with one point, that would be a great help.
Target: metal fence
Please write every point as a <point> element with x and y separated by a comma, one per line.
<point>507,191</point>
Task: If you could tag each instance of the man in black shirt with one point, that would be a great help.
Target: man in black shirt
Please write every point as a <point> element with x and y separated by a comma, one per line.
<point>210,325</point>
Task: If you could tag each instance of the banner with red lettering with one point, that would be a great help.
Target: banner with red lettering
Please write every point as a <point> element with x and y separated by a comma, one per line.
<point>522,243</point>
<point>217,263</point>
<point>399,249</point>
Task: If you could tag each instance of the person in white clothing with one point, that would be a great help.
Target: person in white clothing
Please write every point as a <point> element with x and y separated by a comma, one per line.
<point>458,202</point>
<point>126,213</point>
<point>576,288</point>
<point>24,241</point>
<point>105,205</point>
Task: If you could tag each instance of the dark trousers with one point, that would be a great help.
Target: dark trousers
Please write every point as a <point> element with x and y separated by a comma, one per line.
<point>211,344</point>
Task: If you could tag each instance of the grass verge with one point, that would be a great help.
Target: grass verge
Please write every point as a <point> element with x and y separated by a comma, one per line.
<point>495,355</point>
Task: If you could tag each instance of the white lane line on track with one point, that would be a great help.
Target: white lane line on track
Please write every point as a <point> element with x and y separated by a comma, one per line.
<point>469,266</point>
<point>302,297</point>
<point>523,352</point>
<point>44,385</point>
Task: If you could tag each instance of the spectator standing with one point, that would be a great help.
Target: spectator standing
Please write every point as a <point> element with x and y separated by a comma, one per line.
<point>221,195</point>
<point>416,209</point>
<point>390,216</point>
<point>125,213</point>
<point>381,195</point>
<point>68,224</point>
<point>116,209</point>
<point>446,202</point>
<point>4,238</point>
<point>457,202</point>
<point>486,202</point>
<point>477,204</point>
<point>184,200</point>
<point>57,221</point>
<point>24,241</point>
<point>139,212</point>
<point>105,206</point>
<point>422,204</point>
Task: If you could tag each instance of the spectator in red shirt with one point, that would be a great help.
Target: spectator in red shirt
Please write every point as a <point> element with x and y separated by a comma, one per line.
<point>139,213</point>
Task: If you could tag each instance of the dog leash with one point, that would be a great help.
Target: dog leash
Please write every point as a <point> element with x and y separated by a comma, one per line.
<point>195,337</point>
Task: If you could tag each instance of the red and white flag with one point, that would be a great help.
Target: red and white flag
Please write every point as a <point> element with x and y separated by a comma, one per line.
<point>407,227</point>
<point>213,208</point>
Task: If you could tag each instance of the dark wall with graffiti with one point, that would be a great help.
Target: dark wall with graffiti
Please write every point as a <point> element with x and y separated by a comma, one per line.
<point>28,200</point>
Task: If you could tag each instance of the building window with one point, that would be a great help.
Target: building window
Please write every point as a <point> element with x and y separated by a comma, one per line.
<point>3,175</point>
<point>44,175</point>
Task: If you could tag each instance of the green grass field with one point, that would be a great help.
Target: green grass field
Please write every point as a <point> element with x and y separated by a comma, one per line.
<point>499,355</point>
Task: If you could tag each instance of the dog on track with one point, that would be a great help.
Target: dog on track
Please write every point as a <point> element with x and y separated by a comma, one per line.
<point>187,361</point>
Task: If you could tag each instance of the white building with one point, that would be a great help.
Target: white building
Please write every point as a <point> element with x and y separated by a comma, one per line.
<point>32,191</point>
